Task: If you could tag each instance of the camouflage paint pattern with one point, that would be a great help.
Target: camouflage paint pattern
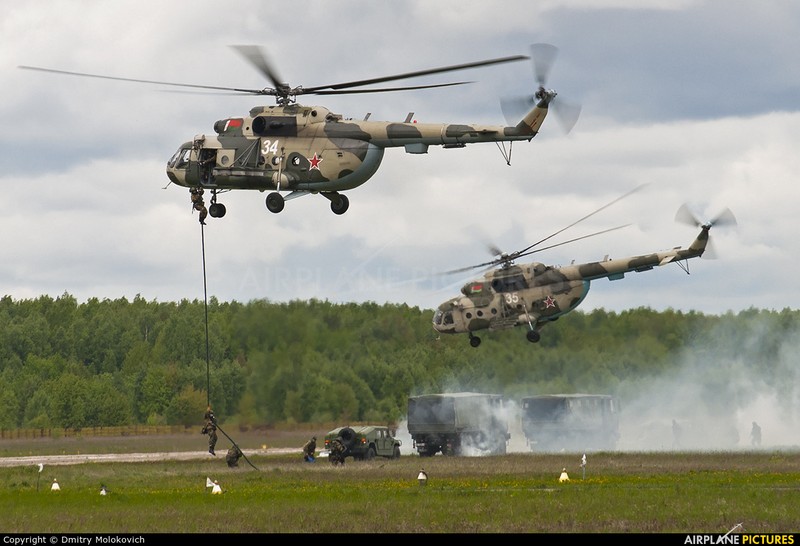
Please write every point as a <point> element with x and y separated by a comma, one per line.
<point>309,149</point>
<point>534,294</point>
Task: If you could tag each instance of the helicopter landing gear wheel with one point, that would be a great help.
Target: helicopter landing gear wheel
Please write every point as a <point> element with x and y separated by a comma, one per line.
<point>275,202</point>
<point>533,336</point>
<point>217,210</point>
<point>474,340</point>
<point>340,204</point>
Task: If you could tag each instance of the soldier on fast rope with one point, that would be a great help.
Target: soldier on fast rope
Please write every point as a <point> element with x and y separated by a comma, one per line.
<point>210,428</point>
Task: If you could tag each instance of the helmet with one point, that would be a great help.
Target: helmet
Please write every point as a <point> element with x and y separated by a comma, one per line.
<point>314,438</point>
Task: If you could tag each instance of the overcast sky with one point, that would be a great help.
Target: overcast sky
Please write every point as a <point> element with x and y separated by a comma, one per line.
<point>699,100</point>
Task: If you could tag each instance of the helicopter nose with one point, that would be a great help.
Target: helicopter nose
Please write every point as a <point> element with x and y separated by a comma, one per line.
<point>443,321</point>
<point>172,176</point>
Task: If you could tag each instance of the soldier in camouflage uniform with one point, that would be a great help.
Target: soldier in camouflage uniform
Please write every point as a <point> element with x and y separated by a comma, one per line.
<point>198,204</point>
<point>309,449</point>
<point>338,451</point>
<point>232,458</point>
<point>210,428</point>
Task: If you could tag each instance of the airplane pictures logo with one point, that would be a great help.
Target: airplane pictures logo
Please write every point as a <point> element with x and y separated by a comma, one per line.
<point>772,539</point>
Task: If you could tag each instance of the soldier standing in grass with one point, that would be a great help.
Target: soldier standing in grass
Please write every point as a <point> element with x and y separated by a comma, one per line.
<point>210,428</point>
<point>755,435</point>
<point>309,449</point>
<point>337,451</point>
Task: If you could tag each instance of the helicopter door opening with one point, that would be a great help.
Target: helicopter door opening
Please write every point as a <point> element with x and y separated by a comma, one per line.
<point>207,160</point>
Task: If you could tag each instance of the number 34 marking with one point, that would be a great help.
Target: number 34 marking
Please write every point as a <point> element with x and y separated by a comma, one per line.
<point>269,146</point>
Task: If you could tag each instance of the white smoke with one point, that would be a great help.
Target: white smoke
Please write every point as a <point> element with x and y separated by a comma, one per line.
<point>712,398</point>
<point>715,399</point>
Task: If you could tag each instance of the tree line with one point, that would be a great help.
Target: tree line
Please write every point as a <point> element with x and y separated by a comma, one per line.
<point>119,362</point>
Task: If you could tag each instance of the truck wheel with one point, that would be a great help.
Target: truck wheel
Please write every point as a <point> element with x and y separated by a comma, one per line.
<point>396,454</point>
<point>370,454</point>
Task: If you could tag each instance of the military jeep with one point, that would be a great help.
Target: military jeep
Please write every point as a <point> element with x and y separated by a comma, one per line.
<point>365,443</point>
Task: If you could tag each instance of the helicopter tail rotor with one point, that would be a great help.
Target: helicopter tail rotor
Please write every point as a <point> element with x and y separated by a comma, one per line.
<point>686,216</point>
<point>543,57</point>
<point>724,218</point>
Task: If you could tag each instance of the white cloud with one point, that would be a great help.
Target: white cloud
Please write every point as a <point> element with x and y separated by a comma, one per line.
<point>83,161</point>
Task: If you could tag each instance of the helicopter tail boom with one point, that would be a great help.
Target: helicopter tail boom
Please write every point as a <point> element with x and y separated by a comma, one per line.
<point>615,269</point>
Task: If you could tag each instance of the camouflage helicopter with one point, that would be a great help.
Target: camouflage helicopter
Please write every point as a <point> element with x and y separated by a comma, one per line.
<point>535,294</point>
<point>306,150</point>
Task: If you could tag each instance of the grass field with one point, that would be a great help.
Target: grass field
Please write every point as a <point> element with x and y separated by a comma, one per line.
<point>659,492</point>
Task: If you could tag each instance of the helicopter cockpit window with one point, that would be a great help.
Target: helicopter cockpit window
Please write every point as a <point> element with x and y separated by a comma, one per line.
<point>180,159</point>
<point>442,317</point>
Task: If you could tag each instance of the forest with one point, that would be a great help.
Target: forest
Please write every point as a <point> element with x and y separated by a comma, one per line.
<point>119,362</point>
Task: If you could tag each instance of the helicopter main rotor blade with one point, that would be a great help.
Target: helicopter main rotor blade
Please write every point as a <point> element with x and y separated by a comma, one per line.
<point>508,258</point>
<point>620,198</point>
<point>406,75</point>
<point>381,90</point>
<point>156,82</point>
<point>255,56</point>
<point>534,251</point>
<point>471,267</point>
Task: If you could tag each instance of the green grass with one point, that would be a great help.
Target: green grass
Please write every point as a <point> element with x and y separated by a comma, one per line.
<point>621,493</point>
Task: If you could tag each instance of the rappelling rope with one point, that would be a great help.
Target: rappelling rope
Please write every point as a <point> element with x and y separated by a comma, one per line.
<point>205,305</point>
<point>208,352</point>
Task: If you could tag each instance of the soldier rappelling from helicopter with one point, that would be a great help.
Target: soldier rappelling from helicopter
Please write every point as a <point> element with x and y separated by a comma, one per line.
<point>291,150</point>
<point>198,204</point>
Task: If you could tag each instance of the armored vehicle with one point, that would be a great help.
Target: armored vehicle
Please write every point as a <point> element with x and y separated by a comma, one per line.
<point>364,443</point>
<point>461,423</point>
<point>567,422</point>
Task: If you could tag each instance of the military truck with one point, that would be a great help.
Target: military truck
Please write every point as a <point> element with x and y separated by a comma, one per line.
<point>569,422</point>
<point>460,423</point>
<point>364,443</point>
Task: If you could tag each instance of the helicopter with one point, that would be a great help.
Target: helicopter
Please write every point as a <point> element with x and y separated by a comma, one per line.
<point>298,150</point>
<point>535,294</point>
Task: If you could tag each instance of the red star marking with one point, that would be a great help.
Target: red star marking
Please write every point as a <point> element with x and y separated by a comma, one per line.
<point>314,162</point>
<point>549,302</point>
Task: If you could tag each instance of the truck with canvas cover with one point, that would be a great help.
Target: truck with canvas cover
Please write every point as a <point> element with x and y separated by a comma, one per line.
<point>570,422</point>
<point>462,423</point>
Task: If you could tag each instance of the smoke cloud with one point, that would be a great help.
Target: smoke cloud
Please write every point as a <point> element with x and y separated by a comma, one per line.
<point>707,401</point>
